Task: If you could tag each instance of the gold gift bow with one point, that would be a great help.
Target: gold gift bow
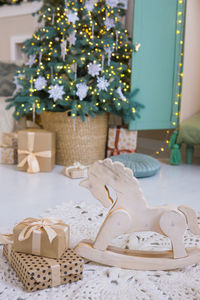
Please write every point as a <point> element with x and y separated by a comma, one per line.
<point>31,157</point>
<point>48,224</point>
<point>77,165</point>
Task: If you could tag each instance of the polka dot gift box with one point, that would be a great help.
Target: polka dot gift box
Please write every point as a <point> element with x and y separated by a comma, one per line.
<point>120,141</point>
<point>38,273</point>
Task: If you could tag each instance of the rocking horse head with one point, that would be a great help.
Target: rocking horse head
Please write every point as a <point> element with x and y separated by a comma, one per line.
<point>105,173</point>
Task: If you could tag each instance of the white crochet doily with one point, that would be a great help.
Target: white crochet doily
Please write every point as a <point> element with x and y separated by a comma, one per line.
<point>104,283</point>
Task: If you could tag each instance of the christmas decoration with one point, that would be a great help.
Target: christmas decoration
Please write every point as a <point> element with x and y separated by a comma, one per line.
<point>31,60</point>
<point>72,17</point>
<point>102,83</point>
<point>72,39</point>
<point>18,87</point>
<point>82,90</point>
<point>56,92</point>
<point>109,52</point>
<point>94,69</point>
<point>63,46</point>
<point>89,5</point>
<point>40,83</point>
<point>82,59</point>
<point>119,91</point>
<point>109,23</point>
<point>112,3</point>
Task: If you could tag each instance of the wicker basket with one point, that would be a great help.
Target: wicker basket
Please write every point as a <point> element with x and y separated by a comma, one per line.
<point>77,141</point>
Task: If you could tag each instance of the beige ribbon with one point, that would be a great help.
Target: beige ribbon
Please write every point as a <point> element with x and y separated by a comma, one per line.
<point>77,165</point>
<point>55,271</point>
<point>31,157</point>
<point>6,239</point>
<point>48,224</point>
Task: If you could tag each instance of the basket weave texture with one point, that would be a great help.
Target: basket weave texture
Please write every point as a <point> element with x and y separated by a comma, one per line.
<point>77,141</point>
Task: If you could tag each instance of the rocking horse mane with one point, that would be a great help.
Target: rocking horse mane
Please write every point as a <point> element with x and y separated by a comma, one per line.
<point>117,168</point>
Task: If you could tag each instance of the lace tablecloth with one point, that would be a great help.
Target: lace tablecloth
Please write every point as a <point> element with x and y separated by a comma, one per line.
<point>104,283</point>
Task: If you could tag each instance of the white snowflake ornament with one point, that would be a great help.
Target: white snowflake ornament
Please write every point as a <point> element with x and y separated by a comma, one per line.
<point>112,3</point>
<point>40,83</point>
<point>72,39</point>
<point>72,17</point>
<point>56,92</point>
<point>94,69</point>
<point>119,91</point>
<point>82,90</point>
<point>109,23</point>
<point>102,83</point>
<point>89,5</point>
<point>31,61</point>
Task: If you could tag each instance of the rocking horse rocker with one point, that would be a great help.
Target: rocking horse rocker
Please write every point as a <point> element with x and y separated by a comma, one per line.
<point>130,213</point>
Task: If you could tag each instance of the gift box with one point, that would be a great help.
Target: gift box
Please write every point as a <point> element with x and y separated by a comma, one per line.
<point>9,139</point>
<point>36,150</point>
<point>37,273</point>
<point>121,140</point>
<point>76,171</point>
<point>8,155</point>
<point>45,237</point>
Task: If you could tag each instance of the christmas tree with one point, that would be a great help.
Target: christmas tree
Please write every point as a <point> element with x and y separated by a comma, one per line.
<point>78,60</point>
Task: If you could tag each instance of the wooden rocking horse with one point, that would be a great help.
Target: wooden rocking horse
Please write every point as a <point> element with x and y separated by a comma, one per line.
<point>130,213</point>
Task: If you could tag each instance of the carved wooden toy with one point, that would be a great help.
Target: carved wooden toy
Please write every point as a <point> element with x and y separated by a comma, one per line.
<point>130,213</point>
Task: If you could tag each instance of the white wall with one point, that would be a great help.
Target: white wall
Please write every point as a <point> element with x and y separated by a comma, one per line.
<point>16,25</point>
<point>190,103</point>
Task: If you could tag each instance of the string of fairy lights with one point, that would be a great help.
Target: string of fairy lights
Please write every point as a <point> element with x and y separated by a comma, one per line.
<point>59,20</point>
<point>179,73</point>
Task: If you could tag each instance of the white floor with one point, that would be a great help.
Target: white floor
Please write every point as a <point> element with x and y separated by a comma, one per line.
<point>24,195</point>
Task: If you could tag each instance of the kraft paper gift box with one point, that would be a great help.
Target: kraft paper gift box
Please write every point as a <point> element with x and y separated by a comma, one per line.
<point>9,139</point>
<point>8,155</point>
<point>75,171</point>
<point>37,273</point>
<point>121,140</point>
<point>44,237</point>
<point>36,150</point>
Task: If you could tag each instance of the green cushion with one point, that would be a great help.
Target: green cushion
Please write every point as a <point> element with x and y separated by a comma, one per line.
<point>189,131</point>
<point>142,165</point>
